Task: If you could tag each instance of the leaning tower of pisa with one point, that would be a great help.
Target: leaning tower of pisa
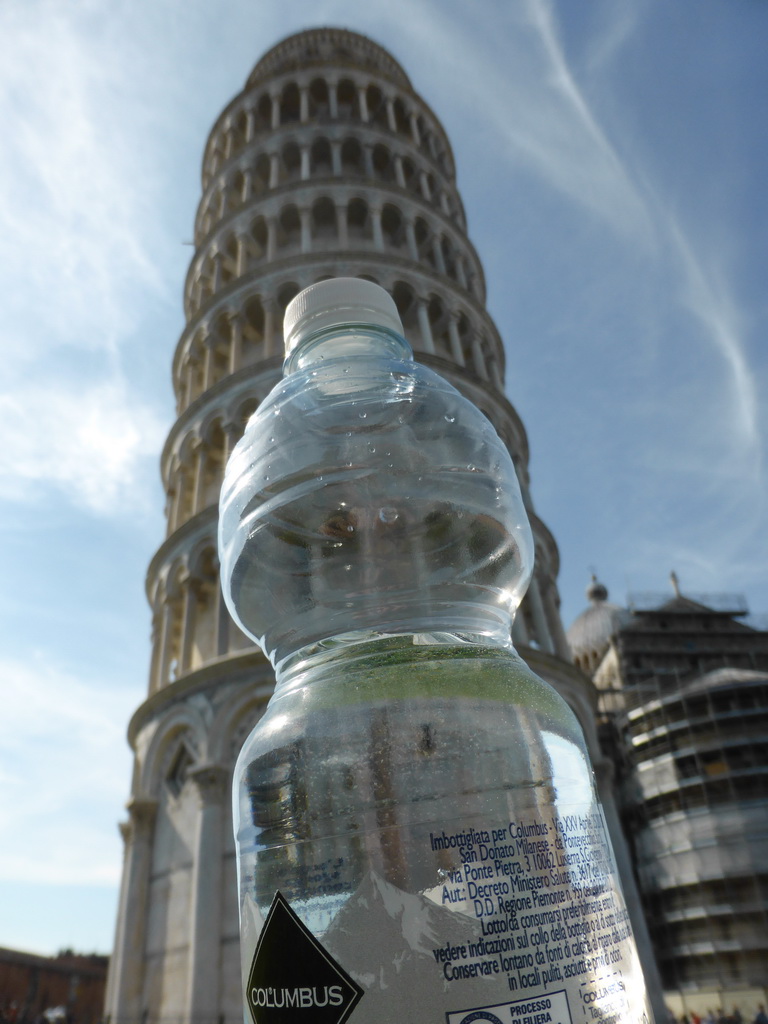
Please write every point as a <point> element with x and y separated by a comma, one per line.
<point>327,164</point>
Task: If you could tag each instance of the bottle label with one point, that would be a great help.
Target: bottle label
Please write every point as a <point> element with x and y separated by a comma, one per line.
<point>525,924</point>
<point>291,973</point>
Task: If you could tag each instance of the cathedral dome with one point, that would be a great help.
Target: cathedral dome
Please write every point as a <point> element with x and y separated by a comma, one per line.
<point>590,633</point>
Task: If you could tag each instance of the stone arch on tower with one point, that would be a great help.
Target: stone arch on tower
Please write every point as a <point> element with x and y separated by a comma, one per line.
<point>178,743</point>
<point>234,721</point>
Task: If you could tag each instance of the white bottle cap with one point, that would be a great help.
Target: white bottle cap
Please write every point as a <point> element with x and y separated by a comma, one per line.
<point>339,300</point>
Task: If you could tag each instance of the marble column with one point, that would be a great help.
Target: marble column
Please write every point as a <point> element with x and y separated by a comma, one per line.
<point>189,609</point>
<point>166,648</point>
<point>200,452</point>
<point>126,970</point>
<point>363,101</point>
<point>274,170</point>
<point>427,340</point>
<point>205,912</point>
<point>333,100</point>
<point>399,172</point>
<point>453,334</point>
<point>478,359</point>
<point>414,130</point>
<point>305,168</point>
<point>247,192</point>
<point>306,229</point>
<point>236,342</point>
<point>271,341</point>
<point>378,236</point>
<point>342,226</point>
<point>410,235</point>
<point>391,119</point>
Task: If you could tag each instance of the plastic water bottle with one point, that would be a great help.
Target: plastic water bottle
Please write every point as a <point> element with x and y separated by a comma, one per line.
<point>417,828</point>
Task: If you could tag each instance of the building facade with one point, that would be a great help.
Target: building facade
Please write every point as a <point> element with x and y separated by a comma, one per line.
<point>327,164</point>
<point>68,987</point>
<point>683,687</point>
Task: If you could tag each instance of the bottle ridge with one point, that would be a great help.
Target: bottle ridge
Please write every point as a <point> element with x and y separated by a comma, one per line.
<point>418,831</point>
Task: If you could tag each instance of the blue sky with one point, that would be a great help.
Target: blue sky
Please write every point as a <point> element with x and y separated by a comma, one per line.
<point>612,158</point>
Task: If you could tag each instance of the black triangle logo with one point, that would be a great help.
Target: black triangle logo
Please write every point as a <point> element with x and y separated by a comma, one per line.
<point>293,980</point>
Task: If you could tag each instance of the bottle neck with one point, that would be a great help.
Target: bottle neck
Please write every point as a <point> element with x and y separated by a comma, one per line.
<point>345,342</point>
<point>355,651</point>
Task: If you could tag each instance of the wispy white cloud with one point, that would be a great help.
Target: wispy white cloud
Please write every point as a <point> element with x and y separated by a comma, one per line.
<point>64,767</point>
<point>75,196</point>
<point>520,84</point>
<point>578,156</point>
<point>618,22</point>
<point>708,294</point>
<point>77,231</point>
<point>91,443</point>
<point>561,134</point>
